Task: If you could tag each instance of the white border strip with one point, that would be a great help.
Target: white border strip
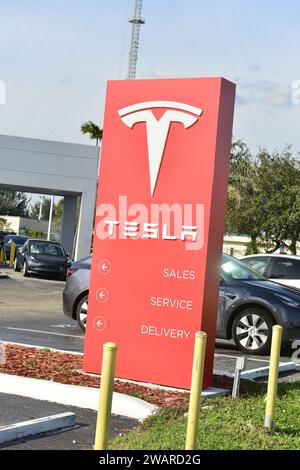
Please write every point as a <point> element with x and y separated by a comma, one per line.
<point>253,359</point>
<point>74,395</point>
<point>260,372</point>
<point>264,371</point>
<point>24,429</point>
<point>44,332</point>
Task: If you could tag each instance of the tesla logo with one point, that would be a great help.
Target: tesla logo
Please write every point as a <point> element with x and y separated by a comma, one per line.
<point>158,129</point>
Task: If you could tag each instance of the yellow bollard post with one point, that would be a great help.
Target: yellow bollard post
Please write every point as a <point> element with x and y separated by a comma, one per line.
<point>2,254</point>
<point>196,389</point>
<point>12,254</point>
<point>273,377</point>
<point>105,397</point>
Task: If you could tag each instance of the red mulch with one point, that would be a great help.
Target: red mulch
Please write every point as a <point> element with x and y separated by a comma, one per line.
<point>61,367</point>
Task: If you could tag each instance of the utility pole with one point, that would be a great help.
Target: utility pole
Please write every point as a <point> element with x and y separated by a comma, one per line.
<point>41,207</point>
<point>50,218</point>
<point>136,22</point>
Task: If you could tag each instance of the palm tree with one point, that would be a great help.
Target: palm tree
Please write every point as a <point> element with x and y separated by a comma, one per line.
<point>93,130</point>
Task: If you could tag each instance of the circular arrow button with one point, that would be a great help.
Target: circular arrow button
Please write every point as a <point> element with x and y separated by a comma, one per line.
<point>99,323</point>
<point>104,266</point>
<point>102,295</point>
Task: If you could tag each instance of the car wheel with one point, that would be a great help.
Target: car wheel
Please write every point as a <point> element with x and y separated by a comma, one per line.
<point>25,269</point>
<point>252,331</point>
<point>81,312</point>
<point>16,266</point>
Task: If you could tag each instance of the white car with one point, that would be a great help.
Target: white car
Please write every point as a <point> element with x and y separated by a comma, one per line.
<point>284,269</point>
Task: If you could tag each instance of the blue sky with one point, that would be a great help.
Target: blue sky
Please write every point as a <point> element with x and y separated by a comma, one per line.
<point>57,55</point>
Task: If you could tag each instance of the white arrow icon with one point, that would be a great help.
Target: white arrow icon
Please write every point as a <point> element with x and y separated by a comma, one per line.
<point>104,266</point>
<point>102,295</point>
<point>99,323</point>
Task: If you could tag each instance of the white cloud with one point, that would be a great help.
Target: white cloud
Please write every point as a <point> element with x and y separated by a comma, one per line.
<point>264,92</point>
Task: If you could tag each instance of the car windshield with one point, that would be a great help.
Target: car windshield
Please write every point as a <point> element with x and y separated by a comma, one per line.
<point>44,248</point>
<point>234,270</point>
<point>17,240</point>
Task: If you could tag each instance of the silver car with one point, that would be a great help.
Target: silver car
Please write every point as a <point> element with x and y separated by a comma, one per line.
<point>284,269</point>
<point>75,295</point>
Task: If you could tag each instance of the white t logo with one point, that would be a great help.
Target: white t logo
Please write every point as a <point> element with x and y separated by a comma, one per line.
<point>157,130</point>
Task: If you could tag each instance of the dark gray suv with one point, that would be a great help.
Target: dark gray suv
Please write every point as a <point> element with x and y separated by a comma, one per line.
<point>249,305</point>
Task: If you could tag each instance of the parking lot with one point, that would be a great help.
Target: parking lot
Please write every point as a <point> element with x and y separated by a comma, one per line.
<point>31,313</point>
<point>16,409</point>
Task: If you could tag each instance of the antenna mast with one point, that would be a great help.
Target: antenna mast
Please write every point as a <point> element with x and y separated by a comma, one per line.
<point>136,22</point>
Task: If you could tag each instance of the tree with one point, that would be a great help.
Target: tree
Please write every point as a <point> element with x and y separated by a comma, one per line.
<point>58,210</point>
<point>279,194</point>
<point>264,197</point>
<point>3,224</point>
<point>13,203</point>
<point>36,209</point>
<point>94,131</point>
<point>243,214</point>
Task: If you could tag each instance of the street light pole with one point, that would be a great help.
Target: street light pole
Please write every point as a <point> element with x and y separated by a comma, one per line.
<point>41,206</point>
<point>50,217</point>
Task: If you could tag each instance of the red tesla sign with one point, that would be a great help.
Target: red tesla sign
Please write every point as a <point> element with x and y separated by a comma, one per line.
<point>159,226</point>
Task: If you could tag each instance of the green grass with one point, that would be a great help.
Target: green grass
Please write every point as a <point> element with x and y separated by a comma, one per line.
<point>230,424</point>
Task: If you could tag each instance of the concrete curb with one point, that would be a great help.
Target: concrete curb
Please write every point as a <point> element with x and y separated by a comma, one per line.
<point>74,395</point>
<point>3,275</point>
<point>260,372</point>
<point>213,392</point>
<point>206,392</point>
<point>36,426</point>
<point>264,371</point>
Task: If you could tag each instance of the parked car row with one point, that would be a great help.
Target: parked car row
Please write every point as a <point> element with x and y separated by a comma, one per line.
<point>35,256</point>
<point>18,241</point>
<point>3,234</point>
<point>42,257</point>
<point>249,304</point>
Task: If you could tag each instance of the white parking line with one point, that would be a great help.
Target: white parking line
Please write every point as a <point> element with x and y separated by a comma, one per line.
<point>235,357</point>
<point>63,325</point>
<point>39,331</point>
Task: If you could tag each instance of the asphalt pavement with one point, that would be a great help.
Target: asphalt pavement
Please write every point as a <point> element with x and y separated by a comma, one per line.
<point>31,313</point>
<point>15,409</point>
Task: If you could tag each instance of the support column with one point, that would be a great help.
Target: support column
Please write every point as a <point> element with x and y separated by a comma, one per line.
<point>68,223</point>
<point>85,224</point>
